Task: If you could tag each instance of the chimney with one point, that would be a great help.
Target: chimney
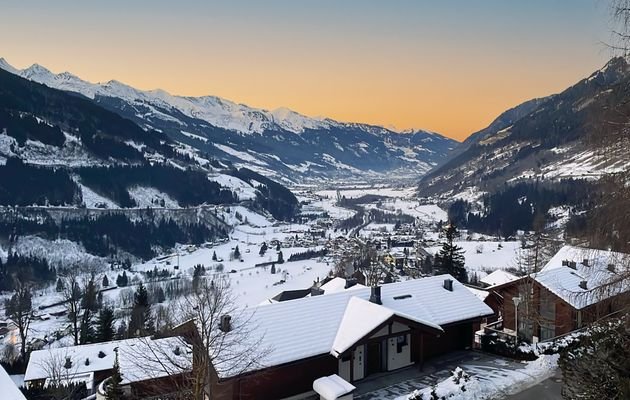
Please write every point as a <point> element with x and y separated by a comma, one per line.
<point>585,262</point>
<point>375,295</point>
<point>350,282</point>
<point>448,284</point>
<point>225,325</point>
<point>583,285</point>
<point>316,291</point>
<point>611,267</point>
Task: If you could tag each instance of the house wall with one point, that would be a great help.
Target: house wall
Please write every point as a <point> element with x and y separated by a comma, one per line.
<point>296,378</point>
<point>359,363</point>
<point>395,358</point>
<point>280,382</point>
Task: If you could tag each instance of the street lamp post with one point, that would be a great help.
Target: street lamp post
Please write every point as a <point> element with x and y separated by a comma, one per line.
<point>516,301</point>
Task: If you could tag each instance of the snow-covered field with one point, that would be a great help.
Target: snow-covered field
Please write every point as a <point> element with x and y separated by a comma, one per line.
<point>486,255</point>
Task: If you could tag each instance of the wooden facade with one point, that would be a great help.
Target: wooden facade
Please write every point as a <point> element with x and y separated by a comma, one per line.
<point>550,315</point>
<point>397,344</point>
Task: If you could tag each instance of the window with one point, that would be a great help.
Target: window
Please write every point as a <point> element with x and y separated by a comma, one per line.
<point>401,341</point>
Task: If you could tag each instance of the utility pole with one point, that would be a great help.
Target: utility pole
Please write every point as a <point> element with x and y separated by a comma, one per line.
<point>516,301</point>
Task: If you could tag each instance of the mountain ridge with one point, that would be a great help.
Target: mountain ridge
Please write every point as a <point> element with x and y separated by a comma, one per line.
<point>554,137</point>
<point>280,143</point>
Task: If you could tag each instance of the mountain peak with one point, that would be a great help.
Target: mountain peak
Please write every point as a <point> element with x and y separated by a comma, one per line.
<point>4,64</point>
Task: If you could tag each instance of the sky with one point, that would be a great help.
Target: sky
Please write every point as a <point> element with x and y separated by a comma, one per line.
<point>447,66</point>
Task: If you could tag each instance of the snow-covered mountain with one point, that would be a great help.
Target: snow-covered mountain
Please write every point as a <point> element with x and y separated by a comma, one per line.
<point>578,133</point>
<point>280,142</point>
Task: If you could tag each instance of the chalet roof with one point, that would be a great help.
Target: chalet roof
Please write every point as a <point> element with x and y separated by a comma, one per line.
<point>564,281</point>
<point>337,285</point>
<point>498,277</point>
<point>7,387</point>
<point>139,359</point>
<point>480,293</point>
<point>317,325</point>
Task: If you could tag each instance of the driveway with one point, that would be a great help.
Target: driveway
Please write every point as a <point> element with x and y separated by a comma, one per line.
<point>485,367</point>
<point>549,389</point>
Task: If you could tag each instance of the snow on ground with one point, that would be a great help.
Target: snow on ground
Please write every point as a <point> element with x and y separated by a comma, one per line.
<point>248,217</point>
<point>146,196</point>
<point>334,211</point>
<point>373,229</point>
<point>239,154</point>
<point>429,213</point>
<point>252,285</point>
<point>353,193</point>
<point>485,383</point>
<point>93,199</point>
<point>486,255</point>
<point>243,190</point>
<point>59,252</point>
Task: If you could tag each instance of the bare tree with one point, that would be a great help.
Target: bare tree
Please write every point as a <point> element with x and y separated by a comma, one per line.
<point>61,368</point>
<point>72,294</point>
<point>19,308</point>
<point>223,340</point>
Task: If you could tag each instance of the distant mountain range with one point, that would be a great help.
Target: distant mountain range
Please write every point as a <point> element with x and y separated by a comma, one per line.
<point>280,143</point>
<point>578,133</point>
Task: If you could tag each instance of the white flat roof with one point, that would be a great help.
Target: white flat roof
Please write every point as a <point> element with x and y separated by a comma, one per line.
<point>332,387</point>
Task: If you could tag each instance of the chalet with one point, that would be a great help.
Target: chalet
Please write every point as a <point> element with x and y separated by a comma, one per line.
<point>498,277</point>
<point>576,287</point>
<point>353,334</point>
<point>148,366</point>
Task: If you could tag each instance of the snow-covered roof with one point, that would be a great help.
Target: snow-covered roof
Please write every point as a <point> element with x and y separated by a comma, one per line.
<point>498,277</point>
<point>337,285</point>
<point>7,387</point>
<point>564,281</point>
<point>332,387</point>
<point>139,359</point>
<point>481,294</point>
<point>313,326</point>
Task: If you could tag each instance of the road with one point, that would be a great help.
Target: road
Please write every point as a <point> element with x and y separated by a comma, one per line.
<point>549,389</point>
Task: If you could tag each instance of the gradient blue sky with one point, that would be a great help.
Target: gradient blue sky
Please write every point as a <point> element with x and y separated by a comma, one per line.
<point>449,66</point>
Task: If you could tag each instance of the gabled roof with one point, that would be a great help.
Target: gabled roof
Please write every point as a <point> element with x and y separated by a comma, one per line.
<point>7,387</point>
<point>139,359</point>
<point>498,277</point>
<point>317,325</point>
<point>564,281</point>
<point>356,325</point>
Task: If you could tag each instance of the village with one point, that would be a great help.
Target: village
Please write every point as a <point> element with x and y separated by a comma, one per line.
<point>330,307</point>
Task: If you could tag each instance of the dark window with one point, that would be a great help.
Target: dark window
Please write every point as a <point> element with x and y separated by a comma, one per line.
<point>401,341</point>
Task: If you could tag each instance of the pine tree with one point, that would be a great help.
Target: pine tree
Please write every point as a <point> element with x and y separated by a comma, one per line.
<point>105,282</point>
<point>105,325</point>
<point>114,391</point>
<point>273,268</point>
<point>89,305</point>
<point>237,253</point>
<point>450,259</point>
<point>59,287</point>
<point>214,256</point>
<point>141,322</point>
<point>280,258</point>
<point>263,249</point>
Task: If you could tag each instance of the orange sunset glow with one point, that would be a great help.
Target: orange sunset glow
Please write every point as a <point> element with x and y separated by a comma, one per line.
<point>395,67</point>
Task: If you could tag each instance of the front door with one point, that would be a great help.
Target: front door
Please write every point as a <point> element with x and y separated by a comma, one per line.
<point>374,358</point>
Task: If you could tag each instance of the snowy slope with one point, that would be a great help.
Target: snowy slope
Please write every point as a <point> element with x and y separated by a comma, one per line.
<point>280,142</point>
